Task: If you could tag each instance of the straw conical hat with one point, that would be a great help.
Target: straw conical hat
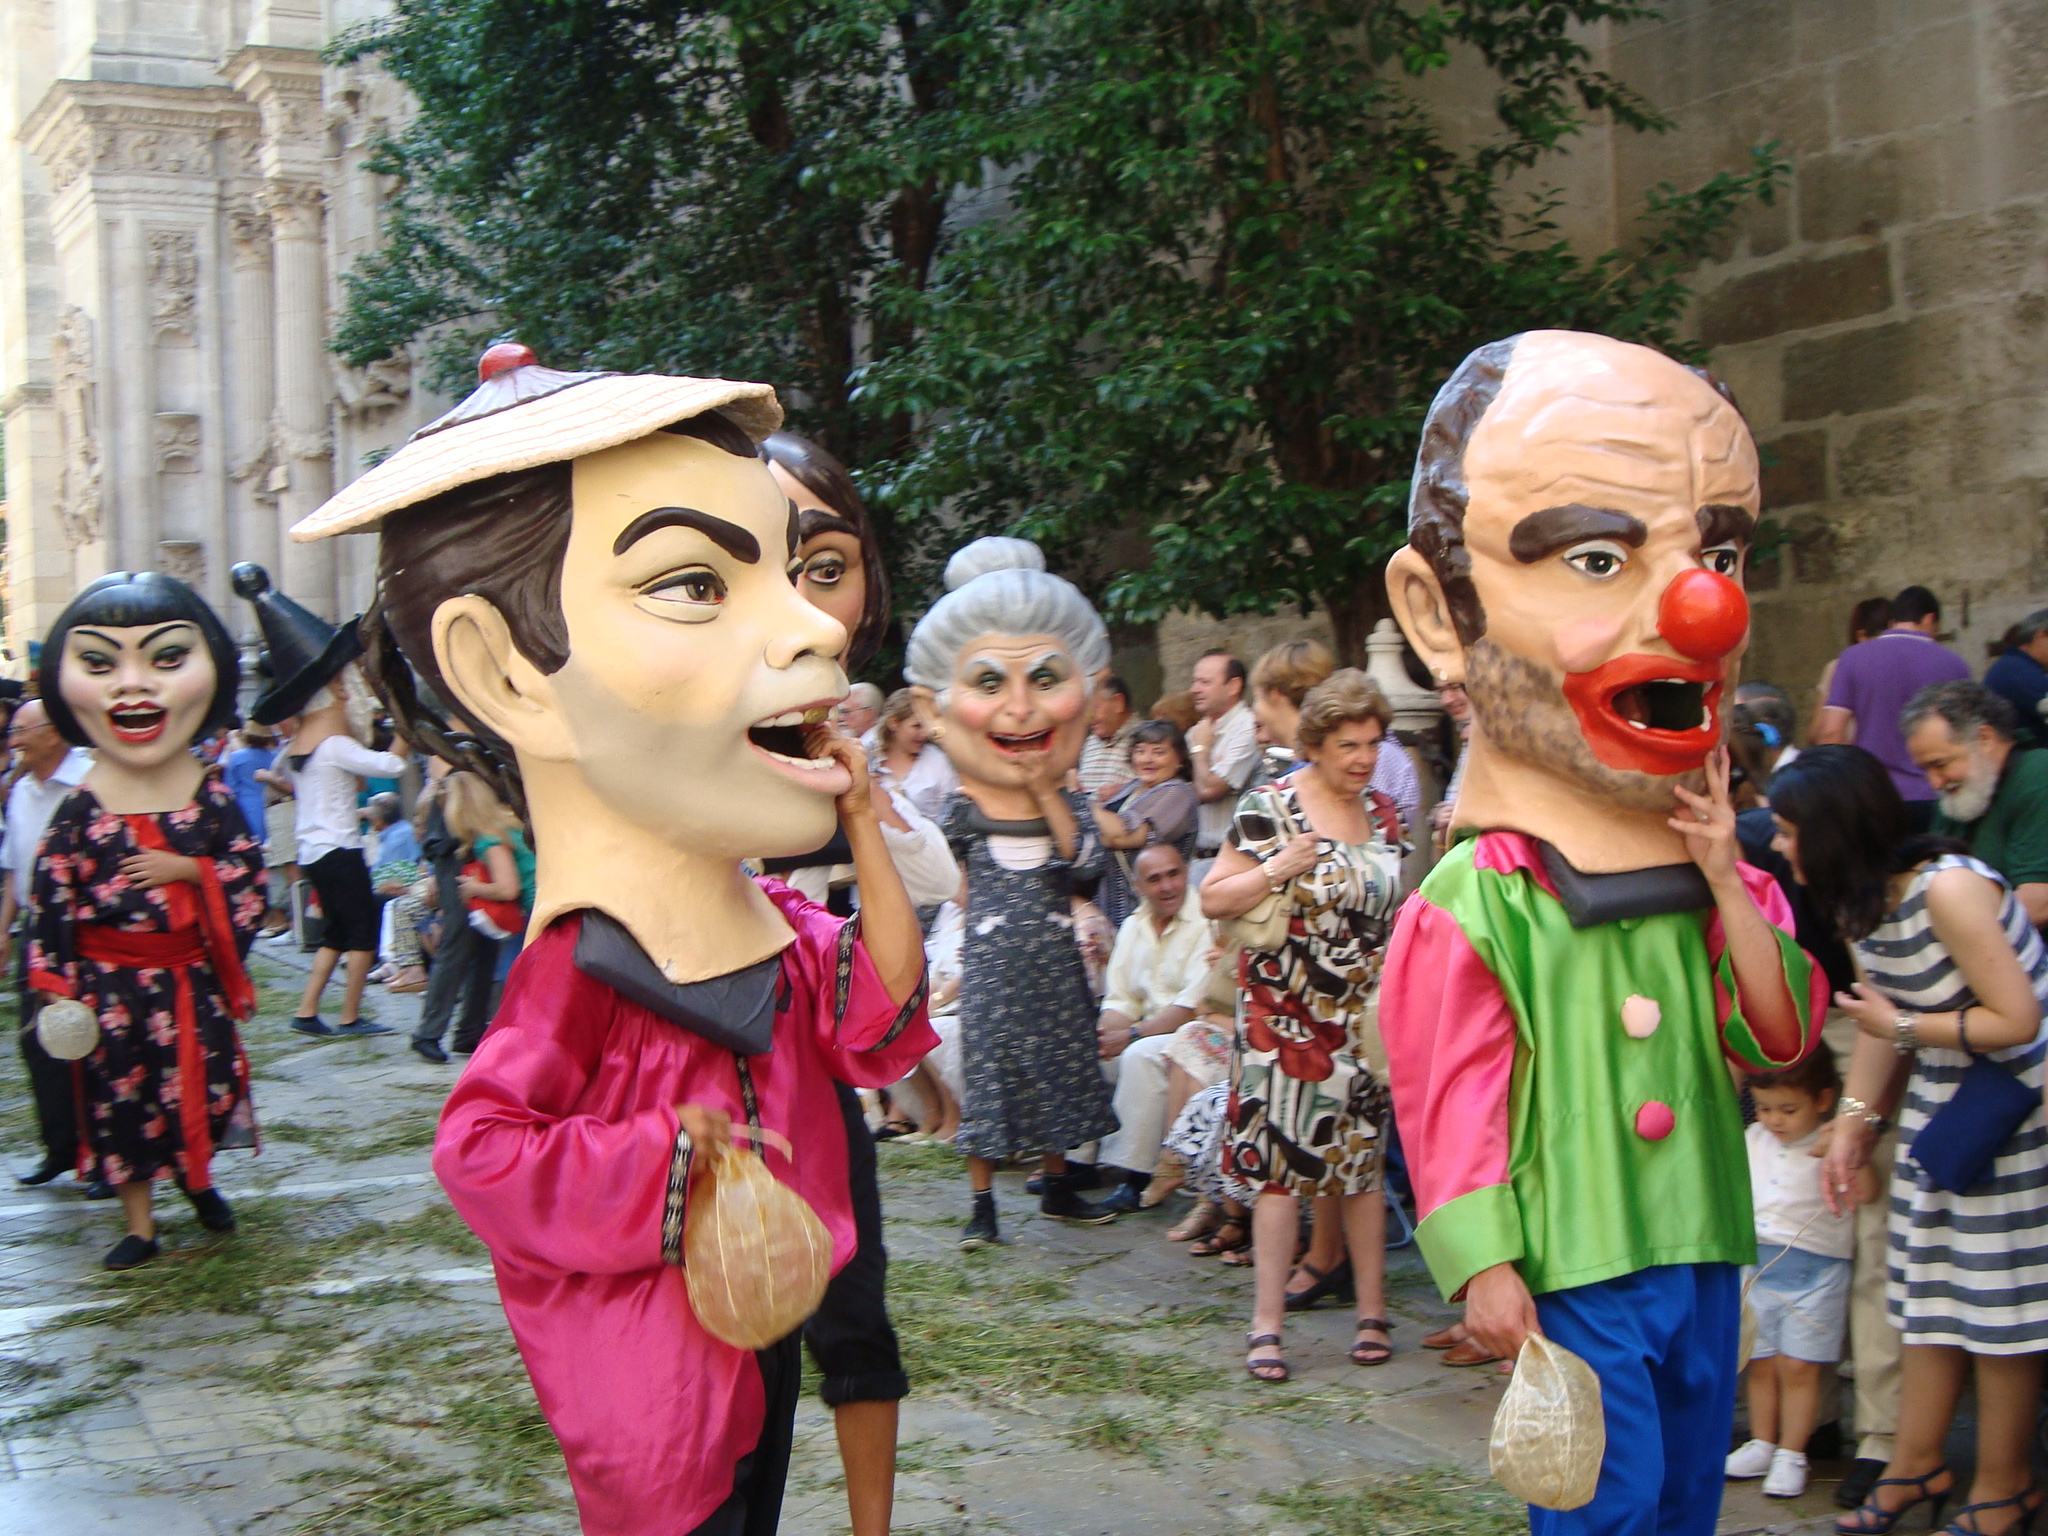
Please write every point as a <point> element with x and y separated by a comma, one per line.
<point>522,416</point>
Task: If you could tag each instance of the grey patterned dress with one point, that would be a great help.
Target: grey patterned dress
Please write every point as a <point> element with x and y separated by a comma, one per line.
<point>1027,1021</point>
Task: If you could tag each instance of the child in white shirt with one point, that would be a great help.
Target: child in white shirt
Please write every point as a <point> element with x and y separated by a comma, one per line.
<point>1800,1295</point>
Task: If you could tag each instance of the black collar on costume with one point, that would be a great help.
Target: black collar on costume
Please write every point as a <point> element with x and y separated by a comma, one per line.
<point>1590,900</point>
<point>735,1012</point>
<point>981,822</point>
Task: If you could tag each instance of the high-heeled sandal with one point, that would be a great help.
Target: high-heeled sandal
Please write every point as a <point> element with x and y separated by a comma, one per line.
<point>1871,1518</point>
<point>1258,1369</point>
<point>1334,1281</point>
<point>2019,1527</point>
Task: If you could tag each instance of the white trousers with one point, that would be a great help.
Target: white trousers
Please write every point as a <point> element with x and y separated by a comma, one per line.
<point>1140,1099</point>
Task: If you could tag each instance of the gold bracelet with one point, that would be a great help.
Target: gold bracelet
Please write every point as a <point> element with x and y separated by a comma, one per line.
<point>1856,1109</point>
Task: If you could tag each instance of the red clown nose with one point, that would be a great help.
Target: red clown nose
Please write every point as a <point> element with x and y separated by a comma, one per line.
<point>1703,614</point>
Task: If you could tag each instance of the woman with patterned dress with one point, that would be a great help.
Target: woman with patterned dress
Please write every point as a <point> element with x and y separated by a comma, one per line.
<point>146,898</point>
<point>1953,971</point>
<point>1307,1116</point>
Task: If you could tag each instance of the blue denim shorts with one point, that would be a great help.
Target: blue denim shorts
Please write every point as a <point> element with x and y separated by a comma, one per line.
<point>1801,1303</point>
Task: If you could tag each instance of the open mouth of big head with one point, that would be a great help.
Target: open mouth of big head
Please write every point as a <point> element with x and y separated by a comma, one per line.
<point>1649,714</point>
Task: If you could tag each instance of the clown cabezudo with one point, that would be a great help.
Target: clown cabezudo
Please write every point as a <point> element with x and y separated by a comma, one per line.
<point>1562,994</point>
<point>594,572</point>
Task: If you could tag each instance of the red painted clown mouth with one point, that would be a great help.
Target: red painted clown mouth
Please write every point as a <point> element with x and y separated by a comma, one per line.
<point>138,724</point>
<point>1021,746</point>
<point>1649,714</point>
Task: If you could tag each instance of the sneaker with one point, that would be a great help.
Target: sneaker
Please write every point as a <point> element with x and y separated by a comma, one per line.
<point>315,1026</point>
<point>1122,1200</point>
<point>980,1231</point>
<point>363,1027</point>
<point>129,1252</point>
<point>1062,1204</point>
<point>430,1050</point>
<point>1787,1479</point>
<point>1751,1460</point>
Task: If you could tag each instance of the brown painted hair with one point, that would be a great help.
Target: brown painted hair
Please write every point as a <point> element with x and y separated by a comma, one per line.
<point>502,539</point>
<point>1344,696</point>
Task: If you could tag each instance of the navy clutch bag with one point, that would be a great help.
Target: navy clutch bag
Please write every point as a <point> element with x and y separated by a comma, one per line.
<point>1960,1140</point>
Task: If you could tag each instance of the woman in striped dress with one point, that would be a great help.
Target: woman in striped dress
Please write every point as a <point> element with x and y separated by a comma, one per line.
<point>1952,968</point>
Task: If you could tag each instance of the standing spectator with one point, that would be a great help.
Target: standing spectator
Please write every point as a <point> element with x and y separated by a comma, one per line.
<point>1867,620</point>
<point>1106,754</point>
<point>254,748</point>
<point>459,986</point>
<point>50,768</point>
<point>1224,746</point>
<point>1778,722</point>
<point>1992,795</point>
<point>1158,972</point>
<point>1457,709</point>
<point>1158,805</point>
<point>859,710</point>
<point>504,882</point>
<point>1279,683</point>
<point>280,843</point>
<point>1872,682</point>
<point>906,759</point>
<point>2019,675</point>
<point>1307,1114</point>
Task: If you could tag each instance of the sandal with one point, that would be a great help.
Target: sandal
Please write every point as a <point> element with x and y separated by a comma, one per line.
<point>1273,1371</point>
<point>1871,1518</point>
<point>1365,1351</point>
<point>1222,1240</point>
<point>1327,1282</point>
<point>891,1130</point>
<point>1199,1222</point>
<point>2020,1526</point>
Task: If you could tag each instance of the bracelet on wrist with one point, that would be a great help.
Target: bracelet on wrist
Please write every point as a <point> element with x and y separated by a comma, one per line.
<point>1963,1030</point>
<point>1906,1033</point>
<point>1855,1109</point>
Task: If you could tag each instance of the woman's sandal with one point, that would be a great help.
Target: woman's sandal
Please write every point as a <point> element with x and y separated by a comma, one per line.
<point>1365,1351</point>
<point>2021,1525</point>
<point>1231,1236</point>
<point>1199,1222</point>
<point>1265,1370</point>
<point>1871,1518</point>
<point>1328,1282</point>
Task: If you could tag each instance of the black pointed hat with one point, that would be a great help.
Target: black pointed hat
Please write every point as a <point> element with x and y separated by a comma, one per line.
<point>305,652</point>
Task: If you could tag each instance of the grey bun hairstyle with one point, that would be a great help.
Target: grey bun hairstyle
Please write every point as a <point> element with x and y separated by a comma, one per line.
<point>999,586</point>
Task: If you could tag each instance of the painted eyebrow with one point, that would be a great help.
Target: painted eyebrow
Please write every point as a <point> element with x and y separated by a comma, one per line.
<point>814,522</point>
<point>730,537</point>
<point>164,629</point>
<point>1721,523</point>
<point>790,534</point>
<point>1554,528</point>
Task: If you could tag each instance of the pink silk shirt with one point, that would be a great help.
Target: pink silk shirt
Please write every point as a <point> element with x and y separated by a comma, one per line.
<point>557,1146</point>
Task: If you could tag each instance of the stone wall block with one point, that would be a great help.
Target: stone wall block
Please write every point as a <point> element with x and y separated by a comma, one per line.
<point>1828,29</point>
<point>1719,135</point>
<point>1754,375</point>
<point>2017,48</point>
<point>1975,256</point>
<point>1848,194</point>
<point>1873,368</point>
<point>2010,351</point>
<point>1798,295</point>
<point>1717,48</point>
<point>1929,76</point>
<point>1899,455</point>
<point>2012,145</point>
<point>2000,441</point>
<point>1796,470</point>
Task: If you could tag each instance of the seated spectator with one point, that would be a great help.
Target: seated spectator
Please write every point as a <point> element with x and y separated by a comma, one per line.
<point>394,856</point>
<point>1106,754</point>
<point>1157,805</point>
<point>1158,973</point>
<point>859,710</point>
<point>2019,675</point>
<point>905,759</point>
<point>1991,795</point>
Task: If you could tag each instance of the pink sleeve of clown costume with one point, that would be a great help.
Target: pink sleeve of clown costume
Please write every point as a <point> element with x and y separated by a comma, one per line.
<point>558,1192</point>
<point>868,1039</point>
<point>1806,982</point>
<point>1450,1040</point>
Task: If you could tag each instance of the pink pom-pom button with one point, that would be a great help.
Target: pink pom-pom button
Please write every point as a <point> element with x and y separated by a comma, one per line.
<point>1654,1121</point>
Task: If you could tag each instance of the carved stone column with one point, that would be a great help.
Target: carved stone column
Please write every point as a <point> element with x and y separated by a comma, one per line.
<point>133,392</point>
<point>252,519</point>
<point>300,434</point>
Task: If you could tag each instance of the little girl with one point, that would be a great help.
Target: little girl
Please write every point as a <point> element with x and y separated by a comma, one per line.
<point>1800,1297</point>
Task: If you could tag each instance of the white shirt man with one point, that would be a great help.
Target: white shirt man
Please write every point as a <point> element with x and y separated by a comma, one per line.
<point>1157,974</point>
<point>30,805</point>
<point>1224,745</point>
<point>325,790</point>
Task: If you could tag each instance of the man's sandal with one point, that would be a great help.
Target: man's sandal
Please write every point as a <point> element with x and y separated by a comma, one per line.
<point>1366,1351</point>
<point>1871,1518</point>
<point>1274,1371</point>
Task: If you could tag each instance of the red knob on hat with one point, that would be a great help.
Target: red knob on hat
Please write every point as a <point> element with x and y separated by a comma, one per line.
<point>497,359</point>
<point>1703,614</point>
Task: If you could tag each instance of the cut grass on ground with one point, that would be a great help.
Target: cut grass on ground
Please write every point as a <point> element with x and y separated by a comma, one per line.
<point>1440,1502</point>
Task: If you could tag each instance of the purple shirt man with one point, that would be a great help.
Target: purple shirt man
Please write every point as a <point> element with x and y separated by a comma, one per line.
<point>1874,679</point>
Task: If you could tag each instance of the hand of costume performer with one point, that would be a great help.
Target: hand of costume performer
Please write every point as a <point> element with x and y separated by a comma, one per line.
<point>1707,823</point>
<point>1875,1014</point>
<point>1841,1170</point>
<point>158,866</point>
<point>825,740</point>
<point>1499,1311</point>
<point>706,1127</point>
<point>1297,858</point>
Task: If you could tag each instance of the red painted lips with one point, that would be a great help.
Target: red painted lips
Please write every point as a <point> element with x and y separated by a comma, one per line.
<point>1649,714</point>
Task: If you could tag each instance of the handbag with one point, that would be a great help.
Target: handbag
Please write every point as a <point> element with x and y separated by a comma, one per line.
<point>1961,1140</point>
<point>1264,927</point>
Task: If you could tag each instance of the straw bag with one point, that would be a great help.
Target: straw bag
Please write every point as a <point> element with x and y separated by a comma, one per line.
<point>756,1256</point>
<point>1264,927</point>
<point>1548,1435</point>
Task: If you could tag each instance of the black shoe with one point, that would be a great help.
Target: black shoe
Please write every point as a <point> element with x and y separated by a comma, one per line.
<point>129,1252</point>
<point>1061,1203</point>
<point>99,1189</point>
<point>1123,1200</point>
<point>980,1231</point>
<point>50,1169</point>
<point>1335,1284</point>
<point>212,1211</point>
<point>1856,1483</point>
<point>363,1027</point>
<point>1084,1175</point>
<point>315,1026</point>
<point>430,1050</point>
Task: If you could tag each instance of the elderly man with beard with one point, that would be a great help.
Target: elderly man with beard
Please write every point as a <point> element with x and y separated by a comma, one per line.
<point>1992,794</point>
<point>1560,994</point>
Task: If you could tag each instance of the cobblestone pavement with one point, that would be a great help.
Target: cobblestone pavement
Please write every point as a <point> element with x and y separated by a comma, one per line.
<point>340,1367</point>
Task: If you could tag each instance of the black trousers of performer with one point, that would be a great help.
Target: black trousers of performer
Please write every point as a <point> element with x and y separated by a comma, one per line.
<point>755,1508</point>
<point>348,907</point>
<point>54,1083</point>
<point>850,1335</point>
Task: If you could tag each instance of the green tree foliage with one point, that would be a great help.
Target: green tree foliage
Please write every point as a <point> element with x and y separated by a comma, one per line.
<point>1237,258</point>
<point>655,185</point>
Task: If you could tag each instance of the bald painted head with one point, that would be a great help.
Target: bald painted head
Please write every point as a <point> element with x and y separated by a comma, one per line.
<point>1581,514</point>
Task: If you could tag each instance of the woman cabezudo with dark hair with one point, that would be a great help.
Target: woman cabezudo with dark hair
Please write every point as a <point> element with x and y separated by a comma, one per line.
<point>145,896</point>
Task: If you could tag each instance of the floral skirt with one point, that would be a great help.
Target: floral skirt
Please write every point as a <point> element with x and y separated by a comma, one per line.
<point>1307,1115</point>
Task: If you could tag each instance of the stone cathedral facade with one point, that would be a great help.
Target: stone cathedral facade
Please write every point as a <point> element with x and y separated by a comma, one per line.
<point>181,192</point>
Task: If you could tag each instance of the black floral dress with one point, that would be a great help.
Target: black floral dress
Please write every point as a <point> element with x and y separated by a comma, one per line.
<point>1027,1019</point>
<point>162,968</point>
